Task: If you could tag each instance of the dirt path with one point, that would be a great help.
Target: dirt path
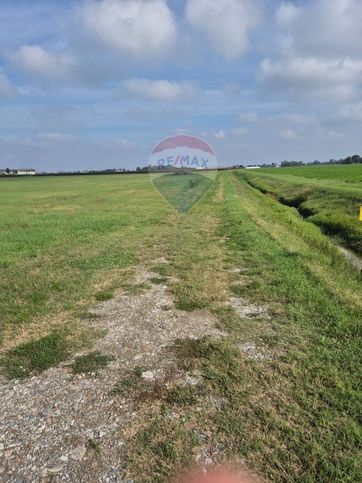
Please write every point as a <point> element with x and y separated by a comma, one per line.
<point>57,426</point>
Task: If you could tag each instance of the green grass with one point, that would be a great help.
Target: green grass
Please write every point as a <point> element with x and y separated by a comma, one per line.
<point>308,397</point>
<point>124,385</point>
<point>104,295</point>
<point>34,356</point>
<point>135,289</point>
<point>158,280</point>
<point>350,173</point>
<point>93,445</point>
<point>182,191</point>
<point>329,196</point>
<point>62,237</point>
<point>92,362</point>
<point>292,415</point>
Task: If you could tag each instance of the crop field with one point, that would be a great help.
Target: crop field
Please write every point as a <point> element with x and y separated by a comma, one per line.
<point>274,384</point>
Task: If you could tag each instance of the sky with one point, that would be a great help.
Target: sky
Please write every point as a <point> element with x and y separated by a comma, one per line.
<point>94,84</point>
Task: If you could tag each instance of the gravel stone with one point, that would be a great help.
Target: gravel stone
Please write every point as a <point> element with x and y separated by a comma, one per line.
<point>47,420</point>
<point>78,452</point>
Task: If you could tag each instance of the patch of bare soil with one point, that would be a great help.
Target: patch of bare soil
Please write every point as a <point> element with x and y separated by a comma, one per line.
<point>252,351</point>
<point>57,426</point>
<point>248,310</point>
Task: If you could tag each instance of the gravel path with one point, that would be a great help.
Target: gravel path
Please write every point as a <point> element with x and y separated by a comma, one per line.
<point>59,427</point>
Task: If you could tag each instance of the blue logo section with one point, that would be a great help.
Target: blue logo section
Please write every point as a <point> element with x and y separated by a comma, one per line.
<point>184,162</point>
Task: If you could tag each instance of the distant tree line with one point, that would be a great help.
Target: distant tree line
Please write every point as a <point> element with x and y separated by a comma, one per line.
<point>90,172</point>
<point>355,159</point>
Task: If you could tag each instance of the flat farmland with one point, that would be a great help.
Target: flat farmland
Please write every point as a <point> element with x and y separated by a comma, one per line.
<point>349,173</point>
<point>251,304</point>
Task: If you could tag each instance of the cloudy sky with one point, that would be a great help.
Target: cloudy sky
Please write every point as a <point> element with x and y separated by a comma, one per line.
<point>95,83</point>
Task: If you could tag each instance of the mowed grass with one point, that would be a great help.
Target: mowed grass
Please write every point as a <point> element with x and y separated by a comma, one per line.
<point>66,242</point>
<point>289,414</point>
<point>182,190</point>
<point>329,196</point>
<point>350,173</point>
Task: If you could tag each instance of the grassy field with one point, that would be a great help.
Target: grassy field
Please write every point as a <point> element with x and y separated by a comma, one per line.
<point>329,196</point>
<point>291,414</point>
<point>182,191</point>
<point>63,240</point>
<point>349,173</point>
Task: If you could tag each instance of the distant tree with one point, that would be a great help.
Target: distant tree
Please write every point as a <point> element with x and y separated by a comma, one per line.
<point>285,164</point>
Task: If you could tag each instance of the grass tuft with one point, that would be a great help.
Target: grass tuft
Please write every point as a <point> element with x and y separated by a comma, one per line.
<point>93,445</point>
<point>135,289</point>
<point>158,280</point>
<point>104,295</point>
<point>35,356</point>
<point>92,362</point>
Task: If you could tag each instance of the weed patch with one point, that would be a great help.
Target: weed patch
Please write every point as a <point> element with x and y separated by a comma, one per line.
<point>92,362</point>
<point>35,356</point>
<point>135,289</point>
<point>104,295</point>
<point>158,280</point>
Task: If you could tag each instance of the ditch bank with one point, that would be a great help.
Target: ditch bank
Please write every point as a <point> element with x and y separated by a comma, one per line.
<point>344,234</point>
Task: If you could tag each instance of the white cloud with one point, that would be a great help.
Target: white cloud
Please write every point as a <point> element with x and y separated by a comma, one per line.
<point>225,23</point>
<point>116,143</point>
<point>55,136</point>
<point>352,112</point>
<point>335,134</point>
<point>36,60</point>
<point>295,118</point>
<point>249,117</point>
<point>161,90</point>
<point>182,130</point>
<point>323,27</point>
<point>6,88</point>
<point>339,79</point>
<point>239,131</point>
<point>125,143</point>
<point>286,14</point>
<point>220,135</point>
<point>142,28</point>
<point>319,51</point>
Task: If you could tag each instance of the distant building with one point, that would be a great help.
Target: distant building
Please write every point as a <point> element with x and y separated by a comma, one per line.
<point>17,172</point>
<point>24,172</point>
<point>252,167</point>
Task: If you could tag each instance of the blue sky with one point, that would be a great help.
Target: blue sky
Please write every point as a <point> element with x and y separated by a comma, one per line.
<point>95,83</point>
